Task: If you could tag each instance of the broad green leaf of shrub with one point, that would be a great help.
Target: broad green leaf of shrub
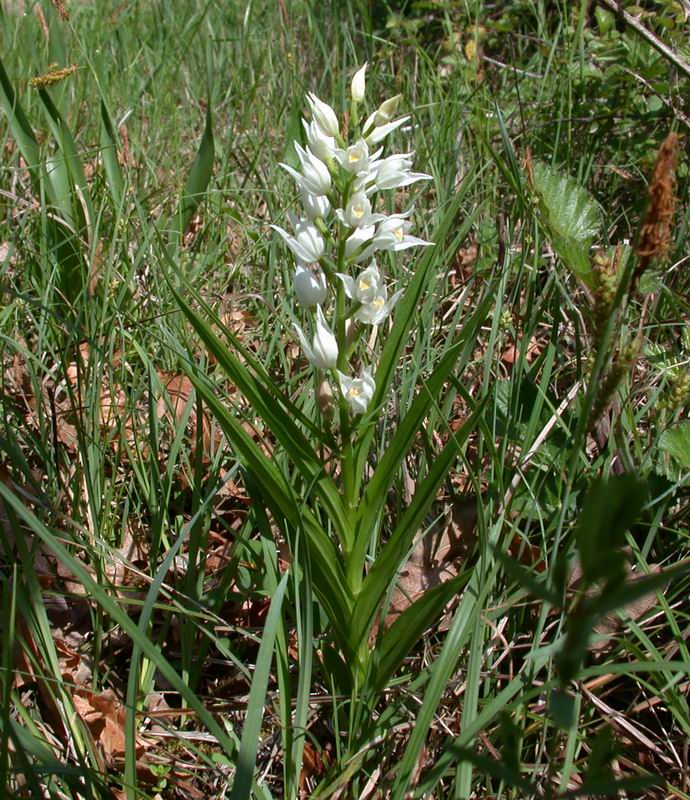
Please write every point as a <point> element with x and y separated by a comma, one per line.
<point>676,442</point>
<point>571,217</point>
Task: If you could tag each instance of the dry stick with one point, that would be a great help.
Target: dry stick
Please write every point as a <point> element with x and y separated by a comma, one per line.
<point>538,443</point>
<point>684,118</point>
<point>617,719</point>
<point>655,42</point>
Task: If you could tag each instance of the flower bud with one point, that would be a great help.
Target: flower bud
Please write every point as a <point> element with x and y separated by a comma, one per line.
<point>386,110</point>
<point>314,206</point>
<point>310,286</point>
<point>324,116</point>
<point>323,350</point>
<point>357,86</point>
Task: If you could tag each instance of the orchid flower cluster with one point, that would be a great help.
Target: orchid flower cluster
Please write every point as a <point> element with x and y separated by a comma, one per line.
<point>337,237</point>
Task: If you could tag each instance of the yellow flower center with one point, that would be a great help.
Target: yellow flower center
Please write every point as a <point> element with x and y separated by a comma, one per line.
<point>364,285</point>
<point>398,232</point>
<point>358,211</point>
<point>378,302</point>
<point>353,392</point>
<point>353,157</point>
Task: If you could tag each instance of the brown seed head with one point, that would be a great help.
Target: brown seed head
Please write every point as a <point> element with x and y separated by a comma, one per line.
<point>54,75</point>
<point>655,234</point>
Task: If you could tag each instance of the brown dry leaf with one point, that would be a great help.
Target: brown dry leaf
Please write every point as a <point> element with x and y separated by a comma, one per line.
<point>96,261</point>
<point>125,565</point>
<point>512,353</point>
<point>194,226</point>
<point>113,408</point>
<point>612,624</point>
<point>104,715</point>
<point>237,320</point>
<point>435,559</point>
<point>173,406</point>
<point>16,376</point>
<point>463,267</point>
<point>73,668</point>
<point>314,764</point>
<point>235,239</point>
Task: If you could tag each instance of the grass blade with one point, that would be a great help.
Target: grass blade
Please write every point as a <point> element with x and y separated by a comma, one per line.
<point>249,744</point>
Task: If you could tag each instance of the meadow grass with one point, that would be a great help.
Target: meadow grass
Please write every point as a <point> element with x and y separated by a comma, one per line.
<point>182,614</point>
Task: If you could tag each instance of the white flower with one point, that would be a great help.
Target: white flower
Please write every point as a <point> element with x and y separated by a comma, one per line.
<point>310,286</point>
<point>379,132</point>
<point>394,172</point>
<point>314,206</point>
<point>323,115</point>
<point>364,288</point>
<point>307,243</point>
<point>357,87</point>
<point>356,158</point>
<point>321,145</point>
<point>357,391</point>
<point>357,213</point>
<point>392,234</point>
<point>323,351</point>
<point>356,239</point>
<point>315,177</point>
<point>379,308</point>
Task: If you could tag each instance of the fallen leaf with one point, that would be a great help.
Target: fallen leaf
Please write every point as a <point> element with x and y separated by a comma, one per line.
<point>104,716</point>
<point>436,558</point>
<point>178,390</point>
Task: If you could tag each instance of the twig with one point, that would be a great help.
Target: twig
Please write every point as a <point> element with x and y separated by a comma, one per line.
<point>546,430</point>
<point>679,114</point>
<point>655,42</point>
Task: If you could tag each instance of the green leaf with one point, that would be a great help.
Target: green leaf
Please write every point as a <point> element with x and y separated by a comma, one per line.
<point>389,558</point>
<point>279,420</point>
<point>101,596</point>
<point>24,135</point>
<point>387,469</point>
<point>632,590</point>
<point>525,578</point>
<point>249,745</point>
<point>562,707</point>
<point>405,310</point>
<point>610,508</point>
<point>329,580</point>
<point>571,217</point>
<point>408,628</point>
<point>198,180</point>
<point>82,206</point>
<point>108,139</point>
<point>676,442</point>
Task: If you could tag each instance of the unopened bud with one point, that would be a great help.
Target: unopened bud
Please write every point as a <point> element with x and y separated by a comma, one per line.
<point>386,111</point>
<point>357,87</point>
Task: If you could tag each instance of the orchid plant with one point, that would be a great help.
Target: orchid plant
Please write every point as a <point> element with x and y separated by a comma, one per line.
<point>333,515</point>
<point>335,241</point>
